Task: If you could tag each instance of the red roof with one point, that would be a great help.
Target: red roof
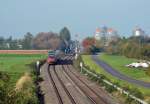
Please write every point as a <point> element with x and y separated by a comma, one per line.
<point>98,30</point>
<point>110,30</point>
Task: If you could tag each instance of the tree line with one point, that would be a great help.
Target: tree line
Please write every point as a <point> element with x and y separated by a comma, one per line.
<point>42,40</point>
<point>133,47</point>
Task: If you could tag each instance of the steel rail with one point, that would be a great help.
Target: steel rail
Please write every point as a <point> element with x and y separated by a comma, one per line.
<point>54,86</point>
<point>66,90</point>
<point>91,99</point>
<point>88,86</point>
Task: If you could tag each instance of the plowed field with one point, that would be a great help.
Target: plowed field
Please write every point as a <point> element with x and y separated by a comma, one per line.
<point>23,51</point>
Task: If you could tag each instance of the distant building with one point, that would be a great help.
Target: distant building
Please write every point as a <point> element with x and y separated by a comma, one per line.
<point>8,45</point>
<point>97,34</point>
<point>138,32</point>
<point>112,34</point>
<point>19,46</point>
<point>106,34</point>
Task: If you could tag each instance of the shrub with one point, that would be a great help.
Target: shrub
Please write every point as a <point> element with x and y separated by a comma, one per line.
<point>4,87</point>
<point>148,71</point>
<point>126,87</point>
<point>136,92</point>
<point>24,92</point>
<point>128,100</point>
<point>109,88</point>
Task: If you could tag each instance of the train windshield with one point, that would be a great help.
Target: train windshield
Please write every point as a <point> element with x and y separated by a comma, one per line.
<point>51,53</point>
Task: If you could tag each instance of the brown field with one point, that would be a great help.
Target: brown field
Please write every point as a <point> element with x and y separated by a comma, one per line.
<point>23,51</point>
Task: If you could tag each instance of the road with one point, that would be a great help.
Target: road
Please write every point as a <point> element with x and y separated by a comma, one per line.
<point>117,74</point>
<point>63,84</point>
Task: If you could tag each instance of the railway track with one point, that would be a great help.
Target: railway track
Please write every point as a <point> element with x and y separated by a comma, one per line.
<point>90,93</point>
<point>78,95</point>
<point>55,78</point>
<point>98,91</point>
<point>64,87</point>
<point>68,88</point>
<point>53,75</point>
<point>101,93</point>
<point>54,86</point>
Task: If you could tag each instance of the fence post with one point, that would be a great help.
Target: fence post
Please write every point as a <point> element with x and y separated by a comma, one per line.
<point>38,67</point>
<point>81,65</point>
<point>118,88</point>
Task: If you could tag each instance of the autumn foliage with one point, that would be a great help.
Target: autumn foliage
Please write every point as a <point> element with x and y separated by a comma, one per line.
<point>88,43</point>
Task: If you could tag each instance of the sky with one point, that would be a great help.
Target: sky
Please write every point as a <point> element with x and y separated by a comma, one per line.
<point>81,17</point>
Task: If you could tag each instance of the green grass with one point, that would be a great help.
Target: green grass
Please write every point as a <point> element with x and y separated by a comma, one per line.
<point>15,65</point>
<point>89,62</point>
<point>119,62</point>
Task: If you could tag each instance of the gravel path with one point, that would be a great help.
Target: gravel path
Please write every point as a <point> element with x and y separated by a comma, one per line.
<point>47,87</point>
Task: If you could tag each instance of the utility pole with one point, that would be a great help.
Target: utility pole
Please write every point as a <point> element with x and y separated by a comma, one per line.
<point>76,47</point>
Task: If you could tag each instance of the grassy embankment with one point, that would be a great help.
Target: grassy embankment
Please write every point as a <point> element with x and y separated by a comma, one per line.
<point>119,62</point>
<point>19,87</point>
<point>16,65</point>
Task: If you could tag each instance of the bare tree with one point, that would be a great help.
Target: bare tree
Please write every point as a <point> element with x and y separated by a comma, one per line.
<point>46,40</point>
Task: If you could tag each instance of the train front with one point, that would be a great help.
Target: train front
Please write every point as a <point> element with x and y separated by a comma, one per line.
<point>51,57</point>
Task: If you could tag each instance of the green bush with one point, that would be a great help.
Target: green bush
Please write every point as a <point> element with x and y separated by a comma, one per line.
<point>148,71</point>
<point>109,88</point>
<point>136,92</point>
<point>24,92</point>
<point>4,87</point>
<point>128,100</point>
<point>8,94</point>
